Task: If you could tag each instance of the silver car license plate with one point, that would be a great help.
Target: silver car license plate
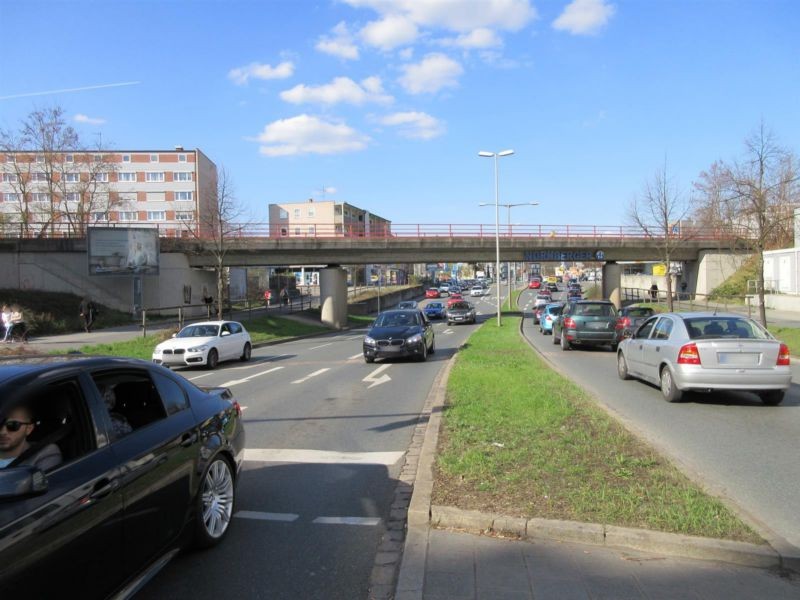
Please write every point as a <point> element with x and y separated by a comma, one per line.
<point>739,359</point>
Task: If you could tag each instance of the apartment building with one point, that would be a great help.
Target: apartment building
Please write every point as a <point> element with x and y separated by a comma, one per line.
<point>65,192</point>
<point>324,218</point>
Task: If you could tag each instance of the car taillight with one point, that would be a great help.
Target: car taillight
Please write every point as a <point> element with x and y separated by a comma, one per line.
<point>569,323</point>
<point>548,318</point>
<point>688,355</point>
<point>623,322</point>
<point>783,356</point>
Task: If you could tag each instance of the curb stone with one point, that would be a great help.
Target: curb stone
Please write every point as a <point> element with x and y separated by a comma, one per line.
<point>411,577</point>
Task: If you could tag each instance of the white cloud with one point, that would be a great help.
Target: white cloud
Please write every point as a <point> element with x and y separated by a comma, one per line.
<point>340,44</point>
<point>305,134</point>
<point>434,72</point>
<point>477,38</point>
<point>241,75</point>
<point>584,17</point>
<point>81,118</point>
<point>406,53</point>
<point>417,125</point>
<point>341,89</point>
<point>390,32</point>
<point>456,15</point>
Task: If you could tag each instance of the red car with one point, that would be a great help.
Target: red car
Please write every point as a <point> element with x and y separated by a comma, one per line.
<point>534,284</point>
<point>453,299</point>
<point>432,293</point>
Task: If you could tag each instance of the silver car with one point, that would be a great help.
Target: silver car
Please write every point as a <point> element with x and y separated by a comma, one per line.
<point>706,351</point>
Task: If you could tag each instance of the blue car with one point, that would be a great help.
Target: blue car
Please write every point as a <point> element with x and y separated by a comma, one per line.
<point>434,310</point>
<point>549,315</point>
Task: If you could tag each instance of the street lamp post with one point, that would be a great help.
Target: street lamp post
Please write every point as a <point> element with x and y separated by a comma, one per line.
<point>496,155</point>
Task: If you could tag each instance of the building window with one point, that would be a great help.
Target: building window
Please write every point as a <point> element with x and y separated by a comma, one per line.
<point>72,197</point>
<point>128,215</point>
<point>184,195</point>
<point>154,158</point>
<point>10,178</point>
<point>10,158</point>
<point>98,217</point>
<point>72,177</point>
<point>284,231</point>
<point>69,158</point>
<point>38,176</point>
<point>284,214</point>
<point>11,197</point>
<point>311,230</point>
<point>310,211</point>
<point>154,177</point>
<point>126,176</point>
<point>100,177</point>
<point>40,197</point>
<point>156,215</point>
<point>297,231</point>
<point>182,176</point>
<point>126,158</point>
<point>40,158</point>
<point>181,158</point>
<point>296,213</point>
<point>184,216</point>
<point>98,158</point>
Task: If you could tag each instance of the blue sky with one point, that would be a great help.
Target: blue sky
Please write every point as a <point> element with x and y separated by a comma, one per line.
<point>387,103</point>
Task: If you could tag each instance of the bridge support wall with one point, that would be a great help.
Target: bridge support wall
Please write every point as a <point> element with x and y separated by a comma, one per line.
<point>612,283</point>
<point>712,268</point>
<point>333,297</point>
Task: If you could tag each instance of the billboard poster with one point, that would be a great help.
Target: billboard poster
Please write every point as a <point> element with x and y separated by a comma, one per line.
<point>123,251</point>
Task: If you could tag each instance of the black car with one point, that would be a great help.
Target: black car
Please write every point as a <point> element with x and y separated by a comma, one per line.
<point>399,333</point>
<point>460,312</point>
<point>121,464</point>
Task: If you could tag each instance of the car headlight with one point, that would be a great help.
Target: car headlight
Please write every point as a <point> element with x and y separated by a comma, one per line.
<point>414,339</point>
<point>197,349</point>
<point>369,341</point>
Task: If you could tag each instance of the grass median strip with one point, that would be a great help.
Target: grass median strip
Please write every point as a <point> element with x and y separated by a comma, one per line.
<point>262,329</point>
<point>519,439</point>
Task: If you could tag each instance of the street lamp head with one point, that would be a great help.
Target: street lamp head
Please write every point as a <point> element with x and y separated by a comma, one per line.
<point>505,153</point>
<point>486,154</point>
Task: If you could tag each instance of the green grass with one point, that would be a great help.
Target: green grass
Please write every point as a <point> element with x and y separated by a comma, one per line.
<point>736,284</point>
<point>48,313</point>
<point>789,336</point>
<point>520,439</point>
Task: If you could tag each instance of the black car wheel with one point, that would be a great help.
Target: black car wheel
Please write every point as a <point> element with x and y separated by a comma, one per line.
<point>565,345</point>
<point>369,359</point>
<point>215,502</point>
<point>622,367</point>
<point>668,389</point>
<point>433,346</point>
<point>246,352</point>
<point>555,339</point>
<point>772,397</point>
<point>213,359</point>
<point>424,355</point>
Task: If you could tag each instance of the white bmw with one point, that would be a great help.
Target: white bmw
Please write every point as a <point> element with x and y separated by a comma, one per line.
<point>207,343</point>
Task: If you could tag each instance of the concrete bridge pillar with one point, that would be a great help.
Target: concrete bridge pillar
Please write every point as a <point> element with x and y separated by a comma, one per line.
<point>612,283</point>
<point>333,297</point>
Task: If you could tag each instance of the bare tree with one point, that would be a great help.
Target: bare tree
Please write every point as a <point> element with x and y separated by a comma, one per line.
<point>754,198</point>
<point>659,211</point>
<point>218,221</point>
<point>58,182</point>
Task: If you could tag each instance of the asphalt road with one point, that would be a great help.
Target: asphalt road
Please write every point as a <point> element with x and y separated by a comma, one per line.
<point>326,434</point>
<point>738,447</point>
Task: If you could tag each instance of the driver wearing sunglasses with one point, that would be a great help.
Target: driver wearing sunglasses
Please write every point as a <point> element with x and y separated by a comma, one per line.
<point>15,427</point>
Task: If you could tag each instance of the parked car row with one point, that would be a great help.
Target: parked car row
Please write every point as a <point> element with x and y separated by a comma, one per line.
<point>678,352</point>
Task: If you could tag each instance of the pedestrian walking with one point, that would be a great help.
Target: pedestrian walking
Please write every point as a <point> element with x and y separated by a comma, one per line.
<point>5,319</point>
<point>285,296</point>
<point>88,312</point>
<point>13,321</point>
<point>654,292</point>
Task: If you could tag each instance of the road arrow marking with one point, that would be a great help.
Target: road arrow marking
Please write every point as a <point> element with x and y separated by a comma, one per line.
<point>246,379</point>
<point>373,378</point>
<point>448,331</point>
<point>355,356</point>
<point>310,375</point>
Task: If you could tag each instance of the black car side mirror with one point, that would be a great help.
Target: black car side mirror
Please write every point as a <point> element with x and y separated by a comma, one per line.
<point>19,482</point>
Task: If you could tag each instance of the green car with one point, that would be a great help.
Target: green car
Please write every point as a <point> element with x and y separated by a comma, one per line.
<point>586,323</point>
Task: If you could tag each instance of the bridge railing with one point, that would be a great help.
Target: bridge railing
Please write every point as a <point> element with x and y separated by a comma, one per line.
<point>399,230</point>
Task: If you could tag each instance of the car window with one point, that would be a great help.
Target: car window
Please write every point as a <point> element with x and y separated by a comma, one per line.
<point>640,311</point>
<point>236,328</point>
<point>725,327</point>
<point>662,329</point>
<point>199,331</point>
<point>646,328</point>
<point>226,328</point>
<point>595,310</point>
<point>171,393</point>
<point>61,425</point>
<point>131,399</point>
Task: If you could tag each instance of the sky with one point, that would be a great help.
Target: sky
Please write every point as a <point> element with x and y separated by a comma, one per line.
<point>385,104</point>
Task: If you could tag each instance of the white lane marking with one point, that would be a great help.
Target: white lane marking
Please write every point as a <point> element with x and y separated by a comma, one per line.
<point>371,521</point>
<point>256,364</point>
<point>323,457</point>
<point>246,379</point>
<point>355,356</point>
<point>373,378</point>
<point>199,376</point>
<point>321,346</point>
<point>244,408</point>
<point>266,516</point>
<point>448,331</point>
<point>310,375</point>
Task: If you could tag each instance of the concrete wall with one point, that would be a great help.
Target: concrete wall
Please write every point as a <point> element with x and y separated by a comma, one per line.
<point>713,268</point>
<point>68,272</point>
<point>387,301</point>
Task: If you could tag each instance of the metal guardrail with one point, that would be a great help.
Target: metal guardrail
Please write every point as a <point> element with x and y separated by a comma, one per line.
<point>686,300</point>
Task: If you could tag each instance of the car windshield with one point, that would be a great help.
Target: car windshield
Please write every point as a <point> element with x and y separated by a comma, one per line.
<point>407,305</point>
<point>639,311</point>
<point>435,305</point>
<point>700,328</point>
<point>594,310</point>
<point>199,331</point>
<point>396,319</point>
<point>543,297</point>
<point>554,310</point>
<point>460,306</point>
